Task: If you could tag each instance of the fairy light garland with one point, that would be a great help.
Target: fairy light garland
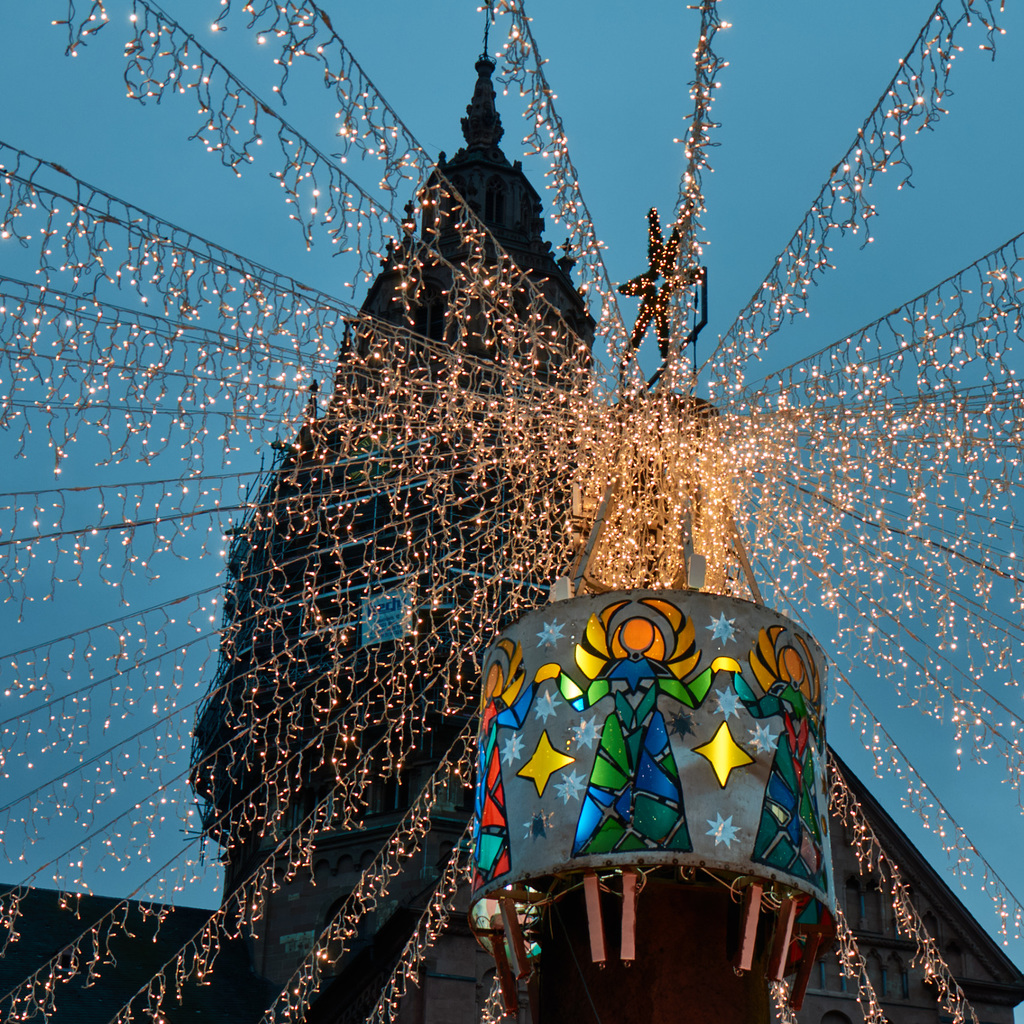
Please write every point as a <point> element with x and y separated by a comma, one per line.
<point>303,161</point>
<point>898,448</point>
<point>784,1013</point>
<point>688,229</point>
<point>690,205</point>
<point>80,27</point>
<point>188,274</point>
<point>89,640</point>
<point>431,924</point>
<point>546,137</point>
<point>853,967</point>
<point>912,101</point>
<point>878,484</point>
<point>918,797</point>
<point>870,855</point>
<point>267,809</point>
<point>369,123</point>
<point>935,817</point>
<point>493,1009</point>
<point>330,944</point>
<point>244,905</point>
<point>394,853</point>
<point>301,30</point>
<point>164,56</point>
<point>872,858</point>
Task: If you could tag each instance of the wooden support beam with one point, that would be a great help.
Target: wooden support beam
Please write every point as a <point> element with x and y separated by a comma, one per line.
<point>583,559</point>
<point>627,947</point>
<point>748,929</point>
<point>533,995</point>
<point>741,555</point>
<point>803,974</point>
<point>517,948</point>
<point>783,937</point>
<point>598,951</point>
<point>509,990</point>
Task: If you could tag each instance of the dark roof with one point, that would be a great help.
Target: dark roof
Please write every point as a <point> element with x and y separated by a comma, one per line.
<point>50,922</point>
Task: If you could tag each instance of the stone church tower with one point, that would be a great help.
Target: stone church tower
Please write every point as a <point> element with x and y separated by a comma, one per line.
<point>279,674</point>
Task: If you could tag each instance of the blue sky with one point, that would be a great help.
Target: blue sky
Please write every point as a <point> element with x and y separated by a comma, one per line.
<point>802,77</point>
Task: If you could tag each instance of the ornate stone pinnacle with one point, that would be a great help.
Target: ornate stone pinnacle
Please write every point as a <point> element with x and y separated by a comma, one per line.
<point>482,124</point>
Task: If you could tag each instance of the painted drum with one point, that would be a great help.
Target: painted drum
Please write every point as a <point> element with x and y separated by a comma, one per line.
<point>653,727</point>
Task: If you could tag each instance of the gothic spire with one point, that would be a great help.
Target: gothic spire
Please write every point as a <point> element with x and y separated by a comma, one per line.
<point>482,124</point>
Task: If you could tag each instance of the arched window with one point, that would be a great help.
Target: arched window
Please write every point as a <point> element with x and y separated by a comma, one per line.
<point>874,918</point>
<point>456,794</point>
<point>483,989</point>
<point>854,903</point>
<point>955,958</point>
<point>452,211</point>
<point>897,978</point>
<point>444,855</point>
<point>835,1017</point>
<point>332,945</point>
<point>388,794</point>
<point>429,228</point>
<point>877,974</point>
<point>835,980</point>
<point>494,202</point>
<point>896,982</point>
<point>428,318</point>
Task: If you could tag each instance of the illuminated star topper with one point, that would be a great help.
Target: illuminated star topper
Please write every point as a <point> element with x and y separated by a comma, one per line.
<point>654,301</point>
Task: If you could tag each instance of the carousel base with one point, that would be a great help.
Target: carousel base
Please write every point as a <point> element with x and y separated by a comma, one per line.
<point>687,943</point>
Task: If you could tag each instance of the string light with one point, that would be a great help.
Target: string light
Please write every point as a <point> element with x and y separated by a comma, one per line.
<point>874,480</point>
<point>912,101</point>
<point>872,858</point>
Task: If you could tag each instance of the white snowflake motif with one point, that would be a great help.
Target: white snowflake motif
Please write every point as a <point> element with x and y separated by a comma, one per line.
<point>763,739</point>
<point>551,633</point>
<point>587,733</point>
<point>570,787</point>
<point>513,749</point>
<point>728,703</point>
<point>722,628</point>
<point>546,706</point>
<point>537,826</point>
<point>723,831</point>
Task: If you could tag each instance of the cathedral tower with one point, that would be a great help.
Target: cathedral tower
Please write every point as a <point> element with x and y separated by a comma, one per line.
<point>328,576</point>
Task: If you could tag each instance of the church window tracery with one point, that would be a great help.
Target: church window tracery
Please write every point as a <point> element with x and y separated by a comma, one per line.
<point>495,201</point>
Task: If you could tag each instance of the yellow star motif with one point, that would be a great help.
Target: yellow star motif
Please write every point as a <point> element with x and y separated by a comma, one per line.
<point>724,753</point>
<point>545,761</point>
